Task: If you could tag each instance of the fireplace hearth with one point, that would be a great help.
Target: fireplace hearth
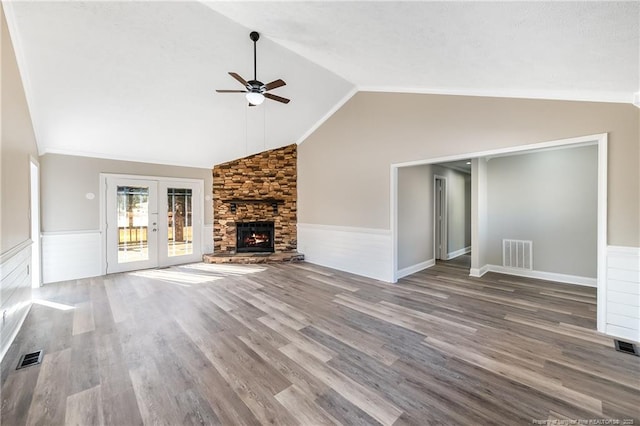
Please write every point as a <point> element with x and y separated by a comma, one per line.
<point>254,237</point>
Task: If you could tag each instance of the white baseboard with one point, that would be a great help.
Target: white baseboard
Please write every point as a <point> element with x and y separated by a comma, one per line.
<point>360,251</point>
<point>478,272</point>
<point>457,253</point>
<point>415,268</point>
<point>541,275</point>
<point>71,255</point>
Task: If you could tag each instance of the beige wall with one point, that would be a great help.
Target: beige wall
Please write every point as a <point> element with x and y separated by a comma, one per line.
<point>67,179</point>
<point>17,145</point>
<point>343,167</point>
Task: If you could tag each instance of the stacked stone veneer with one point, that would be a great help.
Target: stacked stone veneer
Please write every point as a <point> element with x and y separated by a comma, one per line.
<point>264,176</point>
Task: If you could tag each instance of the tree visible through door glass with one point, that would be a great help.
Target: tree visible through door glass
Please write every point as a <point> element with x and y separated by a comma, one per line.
<point>180,213</point>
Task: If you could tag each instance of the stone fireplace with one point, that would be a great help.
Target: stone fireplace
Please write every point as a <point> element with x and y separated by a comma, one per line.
<point>254,200</point>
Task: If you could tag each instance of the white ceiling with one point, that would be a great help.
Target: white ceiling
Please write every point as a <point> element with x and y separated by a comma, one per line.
<point>136,80</point>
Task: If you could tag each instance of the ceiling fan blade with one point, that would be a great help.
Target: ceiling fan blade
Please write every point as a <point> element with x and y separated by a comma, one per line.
<point>231,91</point>
<point>274,84</point>
<point>240,79</point>
<point>277,98</point>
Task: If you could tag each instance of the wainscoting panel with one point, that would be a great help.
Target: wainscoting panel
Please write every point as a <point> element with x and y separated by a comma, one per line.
<point>361,251</point>
<point>623,292</point>
<point>207,239</point>
<point>71,255</point>
<point>15,297</point>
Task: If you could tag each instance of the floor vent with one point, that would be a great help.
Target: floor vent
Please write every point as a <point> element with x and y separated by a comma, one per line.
<point>517,254</point>
<point>626,347</point>
<point>30,359</point>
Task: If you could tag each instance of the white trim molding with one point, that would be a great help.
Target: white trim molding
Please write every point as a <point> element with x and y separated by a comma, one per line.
<point>360,251</point>
<point>561,95</point>
<point>415,268</point>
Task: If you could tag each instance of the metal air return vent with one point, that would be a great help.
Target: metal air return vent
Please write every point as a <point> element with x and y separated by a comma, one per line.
<point>32,358</point>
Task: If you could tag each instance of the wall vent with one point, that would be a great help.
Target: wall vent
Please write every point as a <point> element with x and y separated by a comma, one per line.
<point>626,347</point>
<point>30,359</point>
<point>517,254</point>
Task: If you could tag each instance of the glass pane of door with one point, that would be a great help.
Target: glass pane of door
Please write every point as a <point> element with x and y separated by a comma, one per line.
<point>180,221</point>
<point>133,223</point>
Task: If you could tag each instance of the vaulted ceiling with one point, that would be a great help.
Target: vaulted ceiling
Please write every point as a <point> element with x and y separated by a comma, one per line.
<point>136,80</point>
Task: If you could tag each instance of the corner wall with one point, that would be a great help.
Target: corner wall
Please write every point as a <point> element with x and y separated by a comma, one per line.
<point>17,145</point>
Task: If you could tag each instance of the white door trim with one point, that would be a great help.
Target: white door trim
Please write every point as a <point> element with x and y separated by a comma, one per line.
<point>597,139</point>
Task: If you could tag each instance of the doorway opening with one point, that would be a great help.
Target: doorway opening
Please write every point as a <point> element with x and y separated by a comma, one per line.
<point>440,217</point>
<point>481,262</point>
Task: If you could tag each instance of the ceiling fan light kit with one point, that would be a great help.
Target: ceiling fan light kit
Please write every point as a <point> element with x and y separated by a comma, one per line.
<point>255,98</point>
<point>256,91</point>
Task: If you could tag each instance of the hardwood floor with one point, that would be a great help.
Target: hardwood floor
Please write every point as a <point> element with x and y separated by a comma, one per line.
<point>302,344</point>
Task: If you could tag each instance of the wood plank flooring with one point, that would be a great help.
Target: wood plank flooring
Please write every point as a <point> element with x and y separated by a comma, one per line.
<point>301,344</point>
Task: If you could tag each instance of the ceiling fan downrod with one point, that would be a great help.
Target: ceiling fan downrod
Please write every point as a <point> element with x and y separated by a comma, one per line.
<point>254,36</point>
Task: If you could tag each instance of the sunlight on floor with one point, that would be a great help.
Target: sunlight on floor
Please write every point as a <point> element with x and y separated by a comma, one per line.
<point>54,305</point>
<point>225,269</point>
<point>197,273</point>
<point>175,277</point>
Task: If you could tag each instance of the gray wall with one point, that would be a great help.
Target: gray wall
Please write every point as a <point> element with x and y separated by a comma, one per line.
<point>18,143</point>
<point>550,198</point>
<point>67,179</point>
<point>415,215</point>
<point>415,212</point>
<point>344,166</point>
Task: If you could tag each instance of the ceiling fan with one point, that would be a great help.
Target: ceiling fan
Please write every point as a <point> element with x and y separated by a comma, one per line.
<point>256,91</point>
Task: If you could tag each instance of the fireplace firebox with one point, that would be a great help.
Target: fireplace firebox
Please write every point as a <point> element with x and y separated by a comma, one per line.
<point>254,237</point>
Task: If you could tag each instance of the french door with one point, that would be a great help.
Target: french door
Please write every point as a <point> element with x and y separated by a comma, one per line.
<point>151,223</point>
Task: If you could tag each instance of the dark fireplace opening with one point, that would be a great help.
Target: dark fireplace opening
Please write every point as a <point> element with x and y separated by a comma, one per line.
<point>254,237</point>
